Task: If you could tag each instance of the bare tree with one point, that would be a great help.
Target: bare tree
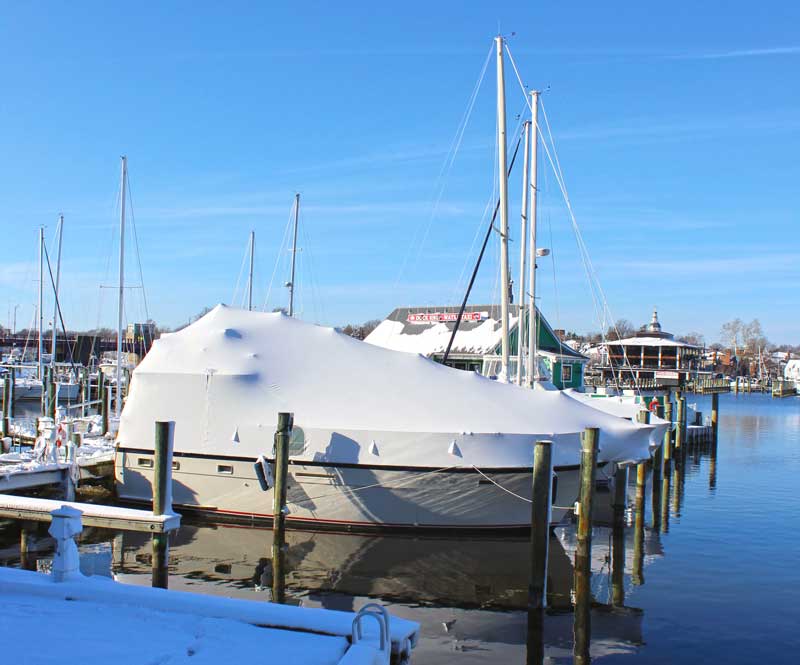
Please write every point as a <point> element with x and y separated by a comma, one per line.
<point>696,338</point>
<point>620,330</point>
<point>731,334</point>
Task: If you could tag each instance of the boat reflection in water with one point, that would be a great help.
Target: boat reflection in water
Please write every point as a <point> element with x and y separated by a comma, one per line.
<point>469,595</point>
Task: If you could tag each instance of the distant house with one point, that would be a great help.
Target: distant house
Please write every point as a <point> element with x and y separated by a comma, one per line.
<point>792,370</point>
<point>477,345</point>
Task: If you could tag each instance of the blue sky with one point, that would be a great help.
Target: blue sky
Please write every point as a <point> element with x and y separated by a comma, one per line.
<point>677,127</point>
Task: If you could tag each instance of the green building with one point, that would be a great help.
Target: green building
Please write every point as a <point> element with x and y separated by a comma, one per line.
<point>477,345</point>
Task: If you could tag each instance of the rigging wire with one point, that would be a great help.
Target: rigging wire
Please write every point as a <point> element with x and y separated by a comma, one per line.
<point>598,294</point>
<point>241,272</point>
<point>280,255</point>
<point>444,172</point>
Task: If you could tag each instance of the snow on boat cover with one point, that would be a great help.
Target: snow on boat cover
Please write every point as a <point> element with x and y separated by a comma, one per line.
<point>224,379</point>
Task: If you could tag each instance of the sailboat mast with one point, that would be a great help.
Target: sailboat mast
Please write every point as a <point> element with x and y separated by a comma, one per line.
<point>523,255</point>
<point>503,174</point>
<point>121,303</point>
<point>294,253</point>
<point>250,279</point>
<point>58,280</point>
<point>533,338</point>
<point>40,316</point>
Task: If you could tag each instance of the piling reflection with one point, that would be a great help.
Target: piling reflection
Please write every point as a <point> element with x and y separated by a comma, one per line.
<point>160,561</point>
<point>638,539</point>
<point>468,593</point>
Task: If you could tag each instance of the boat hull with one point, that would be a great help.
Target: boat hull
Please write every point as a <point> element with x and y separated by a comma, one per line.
<point>349,497</point>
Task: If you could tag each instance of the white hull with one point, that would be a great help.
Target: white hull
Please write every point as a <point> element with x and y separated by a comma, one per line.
<point>350,496</point>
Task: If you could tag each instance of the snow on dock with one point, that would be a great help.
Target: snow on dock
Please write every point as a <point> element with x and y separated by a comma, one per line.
<point>111,517</point>
<point>52,459</point>
<point>176,626</point>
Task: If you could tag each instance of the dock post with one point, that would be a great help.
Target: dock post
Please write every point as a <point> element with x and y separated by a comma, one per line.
<point>283,436</point>
<point>638,537</point>
<point>714,416</point>
<point>680,430</point>
<point>51,395</point>
<point>668,434</point>
<point>11,394</point>
<point>162,499</point>
<point>84,390</point>
<point>25,561</point>
<point>618,537</point>
<point>103,396</point>
<point>583,552</point>
<point>540,523</point>
<point>6,406</point>
<point>643,417</point>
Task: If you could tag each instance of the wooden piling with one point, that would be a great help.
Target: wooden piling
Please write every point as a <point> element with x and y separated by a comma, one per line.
<point>534,643</point>
<point>714,416</point>
<point>583,594</point>
<point>279,566</point>
<point>667,445</point>
<point>24,537</point>
<point>103,395</point>
<point>11,394</point>
<point>162,499</point>
<point>6,424</point>
<point>680,429</point>
<point>618,537</point>
<point>282,437</point>
<point>51,395</point>
<point>540,523</point>
<point>643,416</point>
<point>637,576</point>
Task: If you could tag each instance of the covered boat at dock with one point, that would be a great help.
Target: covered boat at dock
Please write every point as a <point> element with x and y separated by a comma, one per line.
<point>381,438</point>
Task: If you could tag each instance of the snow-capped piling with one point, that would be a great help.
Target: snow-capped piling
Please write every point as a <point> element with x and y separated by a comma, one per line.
<point>65,525</point>
<point>540,522</point>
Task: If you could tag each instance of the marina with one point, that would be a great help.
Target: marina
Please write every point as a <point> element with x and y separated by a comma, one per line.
<point>470,595</point>
<point>416,425</point>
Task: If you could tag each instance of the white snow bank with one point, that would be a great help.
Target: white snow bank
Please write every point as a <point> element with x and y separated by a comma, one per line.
<point>122,599</point>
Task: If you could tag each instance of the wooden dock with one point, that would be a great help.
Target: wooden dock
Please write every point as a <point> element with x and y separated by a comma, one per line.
<point>711,386</point>
<point>109,517</point>
<point>784,389</point>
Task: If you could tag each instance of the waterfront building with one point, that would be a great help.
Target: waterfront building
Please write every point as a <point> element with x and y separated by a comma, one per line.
<point>476,347</point>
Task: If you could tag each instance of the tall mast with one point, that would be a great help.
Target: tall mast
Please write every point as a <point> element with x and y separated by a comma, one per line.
<point>503,174</point>
<point>58,280</point>
<point>533,365</point>
<point>294,253</point>
<point>121,304</point>
<point>523,255</point>
<point>250,280</point>
<point>40,319</point>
